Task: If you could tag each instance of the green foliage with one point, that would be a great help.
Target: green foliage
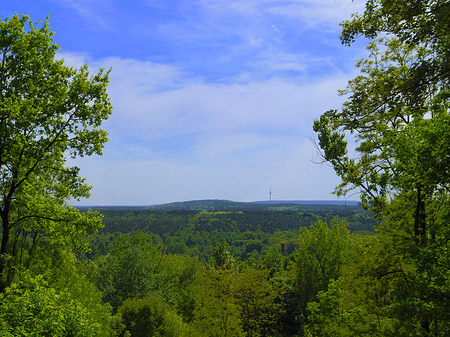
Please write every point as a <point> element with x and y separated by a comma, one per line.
<point>32,308</point>
<point>151,317</point>
<point>325,315</point>
<point>47,112</point>
<point>248,234</point>
<point>319,260</point>
<point>359,303</point>
<point>377,112</point>
<point>128,270</point>
<point>398,111</point>
<point>217,310</point>
<point>415,22</point>
<point>260,303</point>
<point>221,257</point>
<point>135,267</point>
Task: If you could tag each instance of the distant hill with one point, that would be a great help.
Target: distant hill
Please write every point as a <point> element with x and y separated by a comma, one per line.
<point>227,205</point>
<point>310,202</point>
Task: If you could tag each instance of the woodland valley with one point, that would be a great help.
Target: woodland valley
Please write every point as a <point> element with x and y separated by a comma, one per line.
<point>380,267</point>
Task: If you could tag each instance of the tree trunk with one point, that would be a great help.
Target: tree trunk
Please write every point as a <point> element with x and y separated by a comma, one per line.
<point>420,218</point>
<point>4,250</point>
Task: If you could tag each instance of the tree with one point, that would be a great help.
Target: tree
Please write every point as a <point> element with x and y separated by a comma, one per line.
<point>221,257</point>
<point>385,118</point>
<point>260,303</point>
<point>319,258</point>
<point>151,317</point>
<point>48,112</point>
<point>32,308</point>
<point>396,108</point>
<point>415,22</point>
<point>359,303</point>
<point>398,112</point>
<point>217,311</point>
<point>129,269</point>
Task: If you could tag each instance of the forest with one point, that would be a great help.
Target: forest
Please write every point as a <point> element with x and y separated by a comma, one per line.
<point>251,232</point>
<point>380,268</point>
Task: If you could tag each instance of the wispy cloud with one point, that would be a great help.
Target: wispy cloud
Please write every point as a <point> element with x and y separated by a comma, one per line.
<point>212,98</point>
<point>95,14</point>
<point>223,139</point>
<point>324,13</point>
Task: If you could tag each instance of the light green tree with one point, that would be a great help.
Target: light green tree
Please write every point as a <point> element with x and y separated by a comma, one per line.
<point>319,259</point>
<point>48,112</point>
<point>217,311</point>
<point>260,303</point>
<point>221,258</point>
<point>33,308</point>
<point>359,303</point>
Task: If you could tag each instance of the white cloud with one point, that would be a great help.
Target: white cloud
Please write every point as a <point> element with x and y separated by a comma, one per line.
<point>178,138</point>
<point>314,12</point>
<point>211,98</point>
<point>290,176</point>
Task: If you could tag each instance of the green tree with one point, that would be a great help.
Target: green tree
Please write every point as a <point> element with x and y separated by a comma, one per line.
<point>136,267</point>
<point>360,302</point>
<point>415,22</point>
<point>221,257</point>
<point>151,317</point>
<point>48,111</point>
<point>319,258</point>
<point>397,108</point>
<point>32,308</point>
<point>260,303</point>
<point>217,310</point>
<point>129,270</point>
<point>398,111</point>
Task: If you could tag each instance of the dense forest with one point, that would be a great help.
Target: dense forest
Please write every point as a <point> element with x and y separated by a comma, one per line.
<point>270,270</point>
<point>250,232</point>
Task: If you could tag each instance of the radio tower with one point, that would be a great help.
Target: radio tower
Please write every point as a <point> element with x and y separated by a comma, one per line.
<point>270,194</point>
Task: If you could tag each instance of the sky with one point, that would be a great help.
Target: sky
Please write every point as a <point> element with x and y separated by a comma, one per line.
<point>212,99</point>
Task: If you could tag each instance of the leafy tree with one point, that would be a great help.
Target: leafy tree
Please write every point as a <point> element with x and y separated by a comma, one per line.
<point>129,270</point>
<point>152,317</point>
<point>32,308</point>
<point>319,259</point>
<point>217,311</point>
<point>398,111</point>
<point>135,267</point>
<point>48,111</point>
<point>415,22</point>
<point>397,108</point>
<point>260,303</point>
<point>359,303</point>
<point>221,257</point>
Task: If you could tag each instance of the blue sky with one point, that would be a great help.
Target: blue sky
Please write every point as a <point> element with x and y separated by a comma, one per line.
<point>212,99</point>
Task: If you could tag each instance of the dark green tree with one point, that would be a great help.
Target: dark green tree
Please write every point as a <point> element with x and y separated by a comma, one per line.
<point>129,269</point>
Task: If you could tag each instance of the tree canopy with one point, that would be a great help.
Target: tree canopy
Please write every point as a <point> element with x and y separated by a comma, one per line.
<point>397,110</point>
<point>48,113</point>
